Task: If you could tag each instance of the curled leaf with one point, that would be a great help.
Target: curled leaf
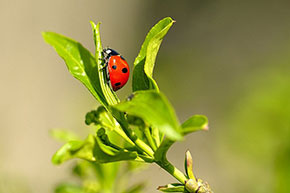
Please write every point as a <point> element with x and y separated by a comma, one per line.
<point>76,149</point>
<point>145,61</point>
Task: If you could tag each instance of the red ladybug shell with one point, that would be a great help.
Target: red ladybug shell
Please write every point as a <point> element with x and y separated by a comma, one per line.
<point>118,70</point>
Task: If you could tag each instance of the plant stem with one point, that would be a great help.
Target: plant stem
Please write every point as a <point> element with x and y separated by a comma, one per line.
<point>143,146</point>
<point>149,138</point>
<point>161,160</point>
<point>176,173</point>
<point>130,134</point>
<point>139,143</point>
<point>156,136</point>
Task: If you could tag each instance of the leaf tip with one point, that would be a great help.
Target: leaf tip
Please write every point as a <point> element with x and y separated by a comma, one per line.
<point>205,127</point>
<point>55,160</point>
<point>95,26</point>
<point>92,23</point>
<point>160,187</point>
<point>44,34</point>
<point>188,158</point>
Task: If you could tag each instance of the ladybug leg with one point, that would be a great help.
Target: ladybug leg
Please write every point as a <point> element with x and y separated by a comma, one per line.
<point>108,77</point>
<point>105,66</point>
<point>104,60</point>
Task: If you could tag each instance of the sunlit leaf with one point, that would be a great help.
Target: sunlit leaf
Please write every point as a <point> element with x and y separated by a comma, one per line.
<point>80,62</point>
<point>195,123</point>
<point>110,96</point>
<point>105,154</point>
<point>92,149</point>
<point>145,61</point>
<point>155,109</point>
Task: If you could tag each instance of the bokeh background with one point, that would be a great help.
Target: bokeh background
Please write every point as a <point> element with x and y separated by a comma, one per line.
<point>226,59</point>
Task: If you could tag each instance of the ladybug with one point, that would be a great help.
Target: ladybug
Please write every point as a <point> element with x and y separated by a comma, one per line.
<point>117,68</point>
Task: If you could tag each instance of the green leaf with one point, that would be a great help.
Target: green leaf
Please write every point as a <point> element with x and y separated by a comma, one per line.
<point>154,109</point>
<point>92,149</point>
<point>63,136</point>
<point>136,121</point>
<point>76,149</point>
<point>195,123</point>
<point>80,62</point>
<point>144,62</point>
<point>175,187</point>
<point>106,154</point>
<point>110,96</point>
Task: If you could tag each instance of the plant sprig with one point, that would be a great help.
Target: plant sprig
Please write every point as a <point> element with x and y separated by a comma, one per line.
<point>145,123</point>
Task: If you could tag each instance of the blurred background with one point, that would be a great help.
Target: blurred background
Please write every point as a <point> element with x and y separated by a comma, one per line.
<point>226,59</point>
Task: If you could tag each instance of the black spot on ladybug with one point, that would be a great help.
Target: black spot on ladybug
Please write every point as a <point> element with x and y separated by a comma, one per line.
<point>124,70</point>
<point>114,67</point>
<point>122,57</point>
<point>118,84</point>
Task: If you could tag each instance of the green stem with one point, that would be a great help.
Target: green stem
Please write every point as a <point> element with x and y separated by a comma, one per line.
<point>119,116</point>
<point>120,132</point>
<point>161,160</point>
<point>176,173</point>
<point>110,96</point>
<point>156,136</point>
<point>142,145</point>
<point>149,138</point>
<point>138,142</point>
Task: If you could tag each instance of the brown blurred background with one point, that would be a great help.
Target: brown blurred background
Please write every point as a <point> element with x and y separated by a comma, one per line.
<point>227,59</point>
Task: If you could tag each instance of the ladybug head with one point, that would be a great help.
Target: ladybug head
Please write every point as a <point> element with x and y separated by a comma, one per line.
<point>110,52</point>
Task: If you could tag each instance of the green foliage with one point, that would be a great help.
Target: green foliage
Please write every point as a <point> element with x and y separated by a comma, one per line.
<point>110,96</point>
<point>154,109</point>
<point>145,61</point>
<point>80,62</point>
<point>194,123</point>
<point>141,128</point>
